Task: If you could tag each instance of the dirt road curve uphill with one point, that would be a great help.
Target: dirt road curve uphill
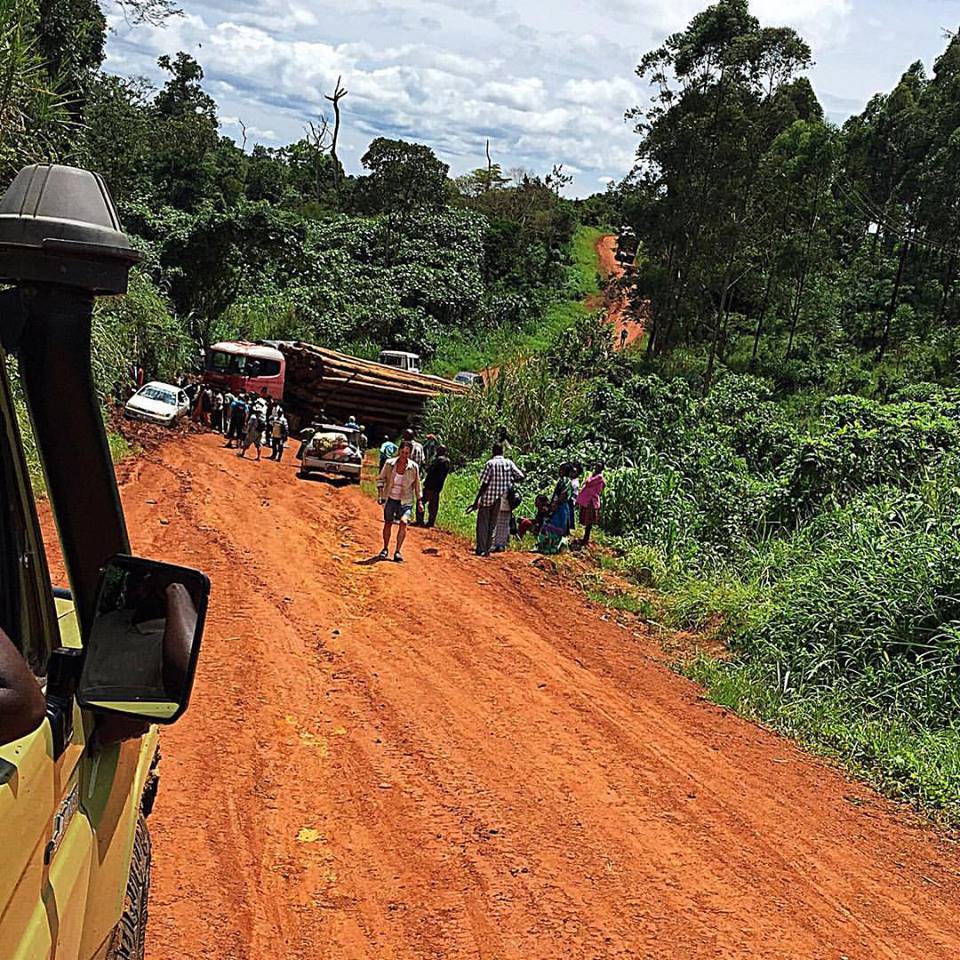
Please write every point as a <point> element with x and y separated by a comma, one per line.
<point>616,304</point>
<point>457,758</point>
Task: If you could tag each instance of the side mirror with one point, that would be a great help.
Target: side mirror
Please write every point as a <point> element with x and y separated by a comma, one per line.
<point>141,654</point>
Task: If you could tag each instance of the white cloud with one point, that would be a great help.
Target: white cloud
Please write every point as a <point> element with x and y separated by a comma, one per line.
<point>547,83</point>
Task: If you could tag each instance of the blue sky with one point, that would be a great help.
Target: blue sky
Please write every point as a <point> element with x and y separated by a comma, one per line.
<point>546,82</point>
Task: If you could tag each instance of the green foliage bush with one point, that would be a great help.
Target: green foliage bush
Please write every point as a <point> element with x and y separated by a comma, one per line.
<point>138,328</point>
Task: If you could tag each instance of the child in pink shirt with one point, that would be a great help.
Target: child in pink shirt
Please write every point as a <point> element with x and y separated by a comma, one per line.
<point>588,501</point>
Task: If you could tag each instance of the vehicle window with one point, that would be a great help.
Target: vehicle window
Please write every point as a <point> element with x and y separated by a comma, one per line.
<point>220,361</point>
<point>266,368</point>
<point>156,393</point>
<point>181,398</point>
<point>22,614</point>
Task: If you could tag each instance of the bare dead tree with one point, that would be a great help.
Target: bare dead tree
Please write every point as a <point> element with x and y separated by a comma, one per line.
<point>154,13</point>
<point>339,92</point>
<point>489,167</point>
<point>243,130</point>
<point>317,134</point>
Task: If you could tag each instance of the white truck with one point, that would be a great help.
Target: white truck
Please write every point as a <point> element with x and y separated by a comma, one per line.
<point>410,362</point>
<point>334,449</point>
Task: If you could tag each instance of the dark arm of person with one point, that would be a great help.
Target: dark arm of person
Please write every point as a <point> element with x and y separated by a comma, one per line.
<point>484,483</point>
<point>178,634</point>
<point>22,703</point>
<point>476,503</point>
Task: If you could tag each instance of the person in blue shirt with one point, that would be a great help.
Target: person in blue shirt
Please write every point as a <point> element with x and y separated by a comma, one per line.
<point>237,421</point>
<point>388,450</point>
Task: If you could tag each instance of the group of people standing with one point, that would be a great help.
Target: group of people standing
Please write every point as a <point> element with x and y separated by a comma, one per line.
<point>245,419</point>
<point>559,518</point>
<point>412,477</point>
<point>555,519</point>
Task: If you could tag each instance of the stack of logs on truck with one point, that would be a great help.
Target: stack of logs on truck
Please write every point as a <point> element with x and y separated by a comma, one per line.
<point>324,384</point>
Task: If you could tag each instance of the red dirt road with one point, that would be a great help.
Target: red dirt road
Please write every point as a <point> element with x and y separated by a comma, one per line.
<point>458,758</point>
<point>616,305</point>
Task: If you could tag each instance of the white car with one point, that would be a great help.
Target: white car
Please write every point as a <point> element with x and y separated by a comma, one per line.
<point>468,379</point>
<point>334,449</point>
<point>158,403</point>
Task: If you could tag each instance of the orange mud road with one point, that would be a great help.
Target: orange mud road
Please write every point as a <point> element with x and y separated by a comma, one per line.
<point>457,758</point>
<point>613,300</point>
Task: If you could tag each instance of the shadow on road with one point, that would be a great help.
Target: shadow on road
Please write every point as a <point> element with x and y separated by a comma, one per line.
<point>330,481</point>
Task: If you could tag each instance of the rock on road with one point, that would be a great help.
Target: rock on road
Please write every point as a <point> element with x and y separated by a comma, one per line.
<point>455,758</point>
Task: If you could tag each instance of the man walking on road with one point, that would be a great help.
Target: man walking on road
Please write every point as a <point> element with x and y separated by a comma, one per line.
<point>499,474</point>
<point>399,488</point>
<point>238,418</point>
<point>433,485</point>
<point>251,434</point>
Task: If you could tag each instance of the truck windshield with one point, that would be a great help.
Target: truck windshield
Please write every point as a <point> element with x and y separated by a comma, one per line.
<point>21,560</point>
<point>241,365</point>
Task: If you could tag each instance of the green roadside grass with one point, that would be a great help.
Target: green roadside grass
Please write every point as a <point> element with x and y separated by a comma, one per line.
<point>899,759</point>
<point>458,493</point>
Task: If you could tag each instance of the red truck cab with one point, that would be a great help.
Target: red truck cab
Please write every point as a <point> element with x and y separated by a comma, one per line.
<point>243,367</point>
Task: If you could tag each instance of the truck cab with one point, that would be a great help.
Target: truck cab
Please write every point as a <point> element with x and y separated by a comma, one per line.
<point>627,245</point>
<point>243,367</point>
<point>86,671</point>
<point>400,360</point>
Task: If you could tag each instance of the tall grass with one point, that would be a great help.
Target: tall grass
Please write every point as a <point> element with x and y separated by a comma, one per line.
<point>847,634</point>
<point>525,399</point>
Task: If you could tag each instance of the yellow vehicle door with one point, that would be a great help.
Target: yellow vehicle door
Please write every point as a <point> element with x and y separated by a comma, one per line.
<point>47,848</point>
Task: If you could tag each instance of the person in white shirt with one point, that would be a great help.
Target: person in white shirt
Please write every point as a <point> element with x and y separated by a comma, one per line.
<point>498,476</point>
<point>399,489</point>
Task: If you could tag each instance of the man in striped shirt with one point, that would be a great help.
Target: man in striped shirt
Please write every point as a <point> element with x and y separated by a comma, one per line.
<point>499,474</point>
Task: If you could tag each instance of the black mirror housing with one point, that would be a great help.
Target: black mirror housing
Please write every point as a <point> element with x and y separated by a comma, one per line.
<point>140,654</point>
<point>59,225</point>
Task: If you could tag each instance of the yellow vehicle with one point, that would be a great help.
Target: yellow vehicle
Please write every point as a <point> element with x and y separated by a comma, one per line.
<point>86,673</point>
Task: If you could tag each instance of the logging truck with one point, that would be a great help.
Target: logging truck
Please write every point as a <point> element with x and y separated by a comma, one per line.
<point>316,383</point>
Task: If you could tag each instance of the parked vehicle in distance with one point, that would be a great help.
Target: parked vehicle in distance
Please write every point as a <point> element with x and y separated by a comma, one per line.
<point>626,252</point>
<point>401,360</point>
<point>334,449</point>
<point>158,402</point>
<point>469,379</point>
<point>243,367</point>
